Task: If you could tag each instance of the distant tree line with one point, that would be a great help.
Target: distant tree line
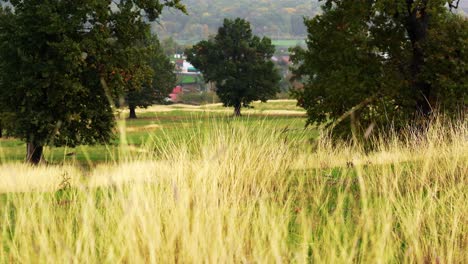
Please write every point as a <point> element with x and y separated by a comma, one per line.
<point>275,19</point>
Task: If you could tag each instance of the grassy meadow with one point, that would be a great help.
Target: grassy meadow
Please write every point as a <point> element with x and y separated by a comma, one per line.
<point>187,184</point>
<point>164,124</point>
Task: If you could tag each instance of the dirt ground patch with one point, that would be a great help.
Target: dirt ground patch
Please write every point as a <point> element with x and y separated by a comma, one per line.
<point>213,108</point>
<point>143,128</point>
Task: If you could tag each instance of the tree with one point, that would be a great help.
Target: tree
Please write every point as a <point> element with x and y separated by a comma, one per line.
<point>239,63</point>
<point>63,63</point>
<point>162,81</point>
<point>170,46</point>
<point>373,63</point>
<point>446,64</point>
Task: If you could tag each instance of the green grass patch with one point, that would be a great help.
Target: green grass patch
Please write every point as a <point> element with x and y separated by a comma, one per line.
<point>166,127</point>
<point>288,42</point>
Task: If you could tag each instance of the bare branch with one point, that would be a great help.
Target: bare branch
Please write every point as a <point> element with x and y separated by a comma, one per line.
<point>454,4</point>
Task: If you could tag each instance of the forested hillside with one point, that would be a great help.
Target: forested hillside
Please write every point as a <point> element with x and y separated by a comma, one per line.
<point>277,19</point>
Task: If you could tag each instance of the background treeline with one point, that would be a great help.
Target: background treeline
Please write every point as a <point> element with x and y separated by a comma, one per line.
<point>275,19</point>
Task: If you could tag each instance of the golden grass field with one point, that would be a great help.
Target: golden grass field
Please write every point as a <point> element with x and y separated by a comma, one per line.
<point>246,194</point>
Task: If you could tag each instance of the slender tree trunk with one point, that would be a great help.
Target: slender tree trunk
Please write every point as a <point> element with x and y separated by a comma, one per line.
<point>1,130</point>
<point>132,112</point>
<point>237,110</point>
<point>417,27</point>
<point>34,153</point>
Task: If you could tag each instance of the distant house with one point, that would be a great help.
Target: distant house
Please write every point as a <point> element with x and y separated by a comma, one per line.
<point>285,59</point>
<point>191,82</point>
<point>179,65</point>
<point>189,79</point>
<point>192,69</point>
<point>188,68</point>
<point>175,93</point>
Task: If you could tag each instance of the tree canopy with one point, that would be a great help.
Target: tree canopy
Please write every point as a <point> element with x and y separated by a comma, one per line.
<point>159,86</point>
<point>382,63</point>
<point>239,63</point>
<point>63,62</point>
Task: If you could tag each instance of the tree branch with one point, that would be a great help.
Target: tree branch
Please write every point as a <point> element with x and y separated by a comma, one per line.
<point>454,4</point>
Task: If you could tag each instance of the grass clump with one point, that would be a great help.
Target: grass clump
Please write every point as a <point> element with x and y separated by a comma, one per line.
<point>242,193</point>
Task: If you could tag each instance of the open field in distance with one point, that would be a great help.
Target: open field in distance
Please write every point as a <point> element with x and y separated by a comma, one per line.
<point>166,123</point>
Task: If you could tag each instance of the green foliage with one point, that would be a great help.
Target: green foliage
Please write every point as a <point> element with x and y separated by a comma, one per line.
<point>446,68</point>
<point>63,64</point>
<point>370,63</point>
<point>162,82</point>
<point>239,63</point>
<point>171,47</point>
<point>48,92</point>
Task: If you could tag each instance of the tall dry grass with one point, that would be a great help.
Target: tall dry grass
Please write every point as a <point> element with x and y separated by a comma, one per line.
<point>243,194</point>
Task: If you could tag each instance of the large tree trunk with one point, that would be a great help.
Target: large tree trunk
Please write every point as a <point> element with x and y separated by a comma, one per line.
<point>237,110</point>
<point>132,112</point>
<point>34,153</point>
<point>417,28</point>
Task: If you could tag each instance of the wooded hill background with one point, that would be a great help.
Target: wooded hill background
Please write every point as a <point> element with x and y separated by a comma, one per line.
<point>277,19</point>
